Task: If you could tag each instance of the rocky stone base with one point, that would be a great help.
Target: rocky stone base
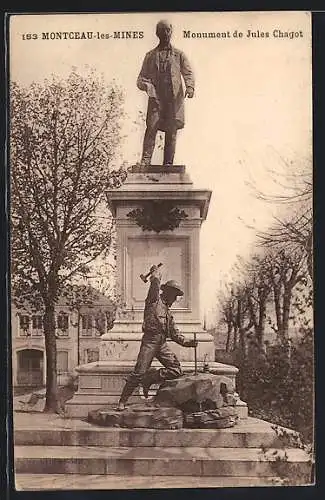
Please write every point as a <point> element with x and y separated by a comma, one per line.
<point>207,400</point>
<point>211,419</point>
<point>203,400</point>
<point>138,416</point>
<point>194,390</point>
<point>155,417</point>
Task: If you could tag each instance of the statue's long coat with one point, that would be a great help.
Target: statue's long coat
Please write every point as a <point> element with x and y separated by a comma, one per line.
<point>180,67</point>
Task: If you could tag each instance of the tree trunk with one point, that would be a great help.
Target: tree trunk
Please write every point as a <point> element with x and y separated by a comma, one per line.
<point>235,337</point>
<point>277,305</point>
<point>310,264</point>
<point>78,338</point>
<point>286,312</point>
<point>228,338</point>
<point>241,330</point>
<point>51,403</point>
<point>261,323</point>
<point>242,343</point>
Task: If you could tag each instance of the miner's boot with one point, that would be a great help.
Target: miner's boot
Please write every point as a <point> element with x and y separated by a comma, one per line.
<point>127,391</point>
<point>151,377</point>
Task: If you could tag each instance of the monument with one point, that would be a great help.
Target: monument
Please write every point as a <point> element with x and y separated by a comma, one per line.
<point>161,77</point>
<point>158,215</point>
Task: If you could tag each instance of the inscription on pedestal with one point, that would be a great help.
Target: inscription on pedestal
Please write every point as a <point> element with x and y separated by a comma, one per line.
<point>112,383</point>
<point>92,382</point>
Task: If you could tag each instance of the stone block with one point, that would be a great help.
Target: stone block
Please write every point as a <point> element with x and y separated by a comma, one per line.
<point>198,388</point>
<point>105,417</point>
<point>82,466</point>
<point>136,437</point>
<point>241,408</point>
<point>174,467</point>
<point>167,418</point>
<point>212,419</point>
<point>230,399</point>
<point>34,402</point>
<point>234,468</point>
<point>144,416</point>
<point>192,406</point>
<point>138,416</point>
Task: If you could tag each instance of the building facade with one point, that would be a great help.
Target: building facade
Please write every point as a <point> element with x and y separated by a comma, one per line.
<point>77,333</point>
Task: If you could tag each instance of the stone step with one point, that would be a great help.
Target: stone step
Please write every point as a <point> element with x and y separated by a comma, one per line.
<point>248,433</point>
<point>34,482</point>
<point>152,461</point>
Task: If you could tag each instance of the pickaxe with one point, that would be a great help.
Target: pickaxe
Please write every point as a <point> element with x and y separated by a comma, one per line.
<point>145,277</point>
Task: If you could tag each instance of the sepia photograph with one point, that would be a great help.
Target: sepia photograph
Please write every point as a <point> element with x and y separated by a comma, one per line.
<point>161,250</point>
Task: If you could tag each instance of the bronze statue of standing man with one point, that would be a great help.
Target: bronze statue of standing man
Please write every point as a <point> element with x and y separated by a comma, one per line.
<point>160,77</point>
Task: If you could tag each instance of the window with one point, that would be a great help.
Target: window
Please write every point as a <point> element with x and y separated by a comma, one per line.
<point>24,324</point>
<point>86,325</point>
<point>37,322</point>
<point>63,324</point>
<point>62,362</point>
<point>37,325</point>
<point>30,359</point>
<point>91,355</point>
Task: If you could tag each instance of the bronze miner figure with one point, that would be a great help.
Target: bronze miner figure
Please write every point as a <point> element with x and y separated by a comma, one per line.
<point>158,326</point>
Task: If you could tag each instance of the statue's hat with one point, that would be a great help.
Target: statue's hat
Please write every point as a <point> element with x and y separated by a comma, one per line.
<point>173,284</point>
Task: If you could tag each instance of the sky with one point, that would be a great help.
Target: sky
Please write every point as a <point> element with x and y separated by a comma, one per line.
<point>250,116</point>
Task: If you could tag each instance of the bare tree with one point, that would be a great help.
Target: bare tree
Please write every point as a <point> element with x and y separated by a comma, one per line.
<point>63,139</point>
<point>257,288</point>
<point>227,308</point>
<point>292,230</point>
<point>284,270</point>
<point>294,233</point>
<point>264,281</point>
<point>235,309</point>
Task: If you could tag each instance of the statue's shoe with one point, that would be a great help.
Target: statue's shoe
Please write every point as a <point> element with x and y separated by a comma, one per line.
<point>121,407</point>
<point>146,386</point>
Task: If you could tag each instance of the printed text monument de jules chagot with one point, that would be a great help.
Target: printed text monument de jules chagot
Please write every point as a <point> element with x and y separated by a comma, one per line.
<point>250,33</point>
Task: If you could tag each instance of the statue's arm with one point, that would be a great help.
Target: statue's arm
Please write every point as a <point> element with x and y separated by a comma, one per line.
<point>154,290</point>
<point>187,72</point>
<point>144,75</point>
<point>177,337</point>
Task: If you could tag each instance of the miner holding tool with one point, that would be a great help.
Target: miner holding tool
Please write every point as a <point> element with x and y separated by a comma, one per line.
<point>158,326</point>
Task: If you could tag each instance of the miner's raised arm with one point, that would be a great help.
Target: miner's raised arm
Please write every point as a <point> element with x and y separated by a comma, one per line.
<point>154,289</point>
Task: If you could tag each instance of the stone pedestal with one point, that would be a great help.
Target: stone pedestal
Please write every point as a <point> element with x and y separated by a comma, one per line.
<point>137,250</point>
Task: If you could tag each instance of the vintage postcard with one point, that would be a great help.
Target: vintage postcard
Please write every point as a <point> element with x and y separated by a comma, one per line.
<point>161,250</point>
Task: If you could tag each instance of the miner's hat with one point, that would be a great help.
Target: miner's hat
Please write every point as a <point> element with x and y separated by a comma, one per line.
<point>173,284</point>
